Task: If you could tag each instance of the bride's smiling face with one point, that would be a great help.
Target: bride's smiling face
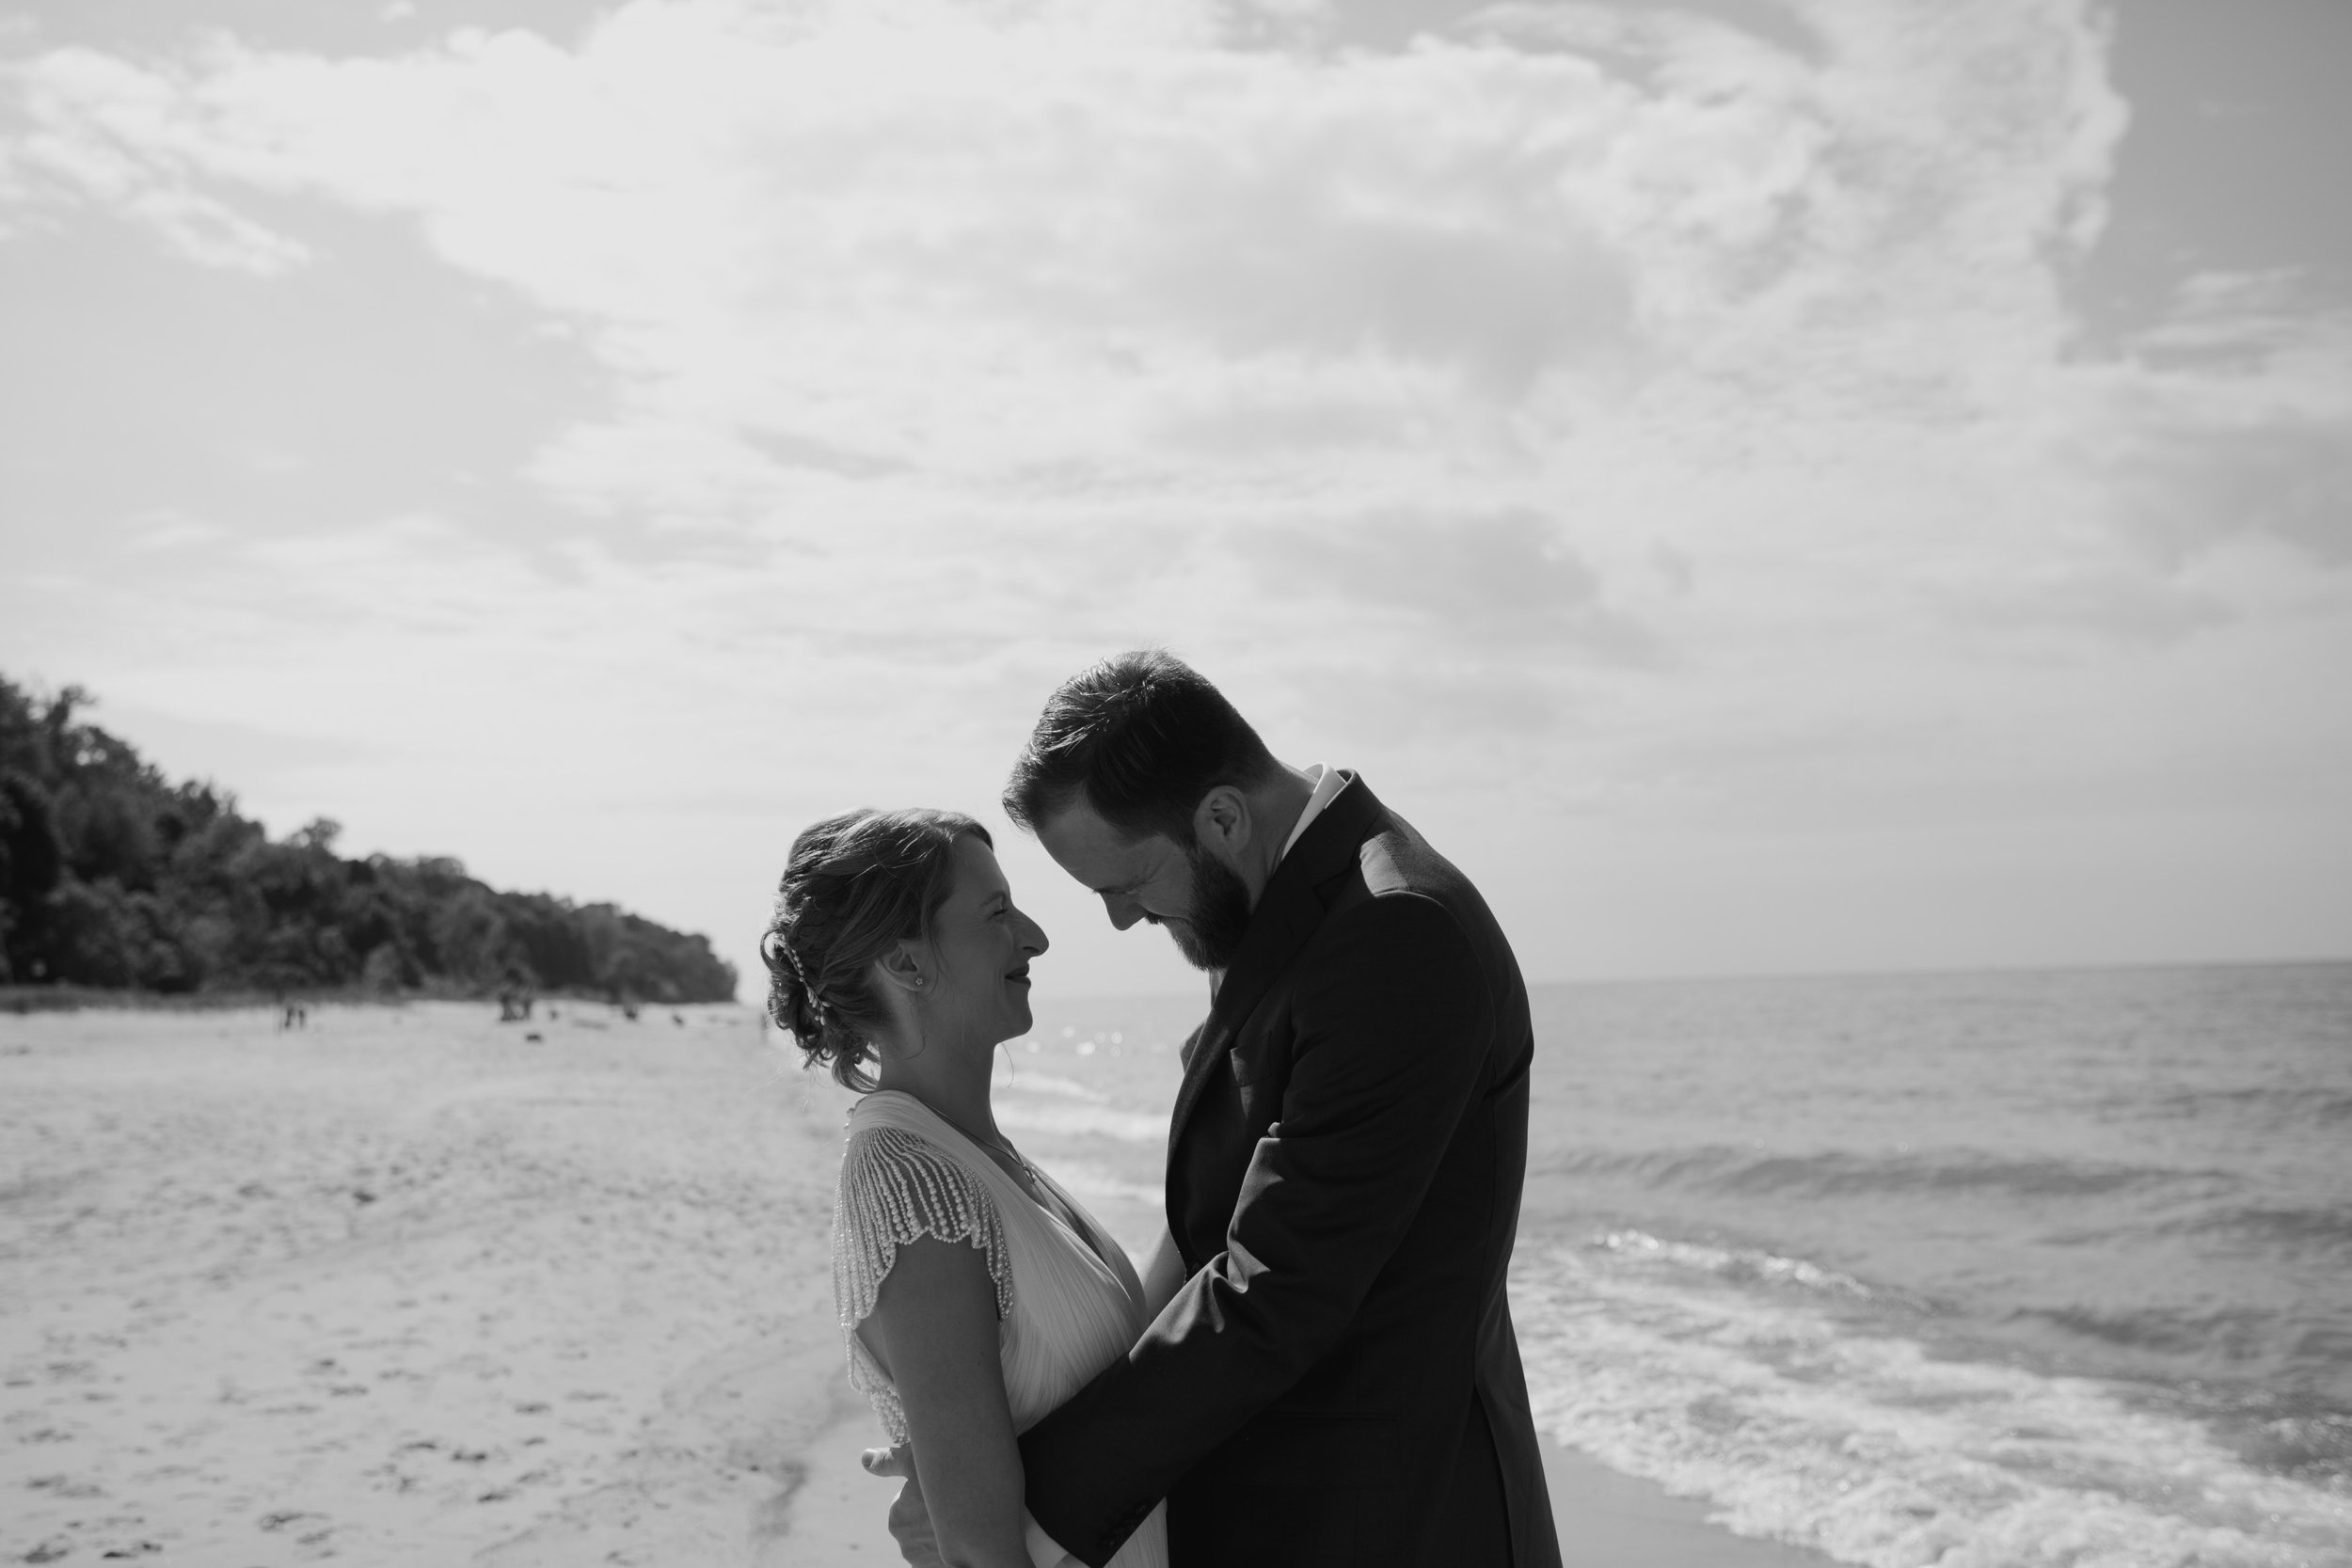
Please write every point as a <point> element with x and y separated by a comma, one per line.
<point>980,948</point>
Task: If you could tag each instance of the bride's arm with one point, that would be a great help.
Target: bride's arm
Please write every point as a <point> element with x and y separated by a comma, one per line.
<point>1161,1275</point>
<point>933,1329</point>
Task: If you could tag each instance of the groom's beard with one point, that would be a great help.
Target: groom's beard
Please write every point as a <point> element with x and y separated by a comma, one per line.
<point>1210,934</point>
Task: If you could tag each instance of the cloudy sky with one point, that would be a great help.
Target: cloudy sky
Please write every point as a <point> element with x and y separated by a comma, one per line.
<point>1766,484</point>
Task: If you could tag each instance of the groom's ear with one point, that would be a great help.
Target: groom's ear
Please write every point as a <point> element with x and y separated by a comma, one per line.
<point>1221,820</point>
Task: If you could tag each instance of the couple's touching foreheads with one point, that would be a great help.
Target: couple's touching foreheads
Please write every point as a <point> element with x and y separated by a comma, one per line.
<point>1317,1365</point>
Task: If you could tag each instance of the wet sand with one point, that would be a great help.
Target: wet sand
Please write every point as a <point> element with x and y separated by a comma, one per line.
<point>411,1287</point>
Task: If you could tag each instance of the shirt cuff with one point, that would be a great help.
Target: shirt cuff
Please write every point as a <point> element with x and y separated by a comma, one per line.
<point>1043,1549</point>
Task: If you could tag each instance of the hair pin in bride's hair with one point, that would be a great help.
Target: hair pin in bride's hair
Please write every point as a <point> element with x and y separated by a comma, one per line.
<point>816,1004</point>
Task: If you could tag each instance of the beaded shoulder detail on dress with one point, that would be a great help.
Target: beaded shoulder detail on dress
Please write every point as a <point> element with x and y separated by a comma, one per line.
<point>895,1188</point>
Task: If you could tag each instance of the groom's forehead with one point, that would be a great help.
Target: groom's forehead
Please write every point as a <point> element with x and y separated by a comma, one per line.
<point>1091,849</point>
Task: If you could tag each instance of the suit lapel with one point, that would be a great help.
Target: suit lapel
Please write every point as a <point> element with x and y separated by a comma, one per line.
<point>1287,915</point>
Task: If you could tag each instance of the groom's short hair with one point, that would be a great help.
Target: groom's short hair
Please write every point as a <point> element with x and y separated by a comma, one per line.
<point>1140,737</point>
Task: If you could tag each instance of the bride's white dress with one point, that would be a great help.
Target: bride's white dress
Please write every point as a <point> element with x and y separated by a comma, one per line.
<point>1067,1305</point>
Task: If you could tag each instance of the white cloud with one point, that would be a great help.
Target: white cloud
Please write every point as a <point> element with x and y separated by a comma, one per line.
<point>981,244</point>
<point>1588,410</point>
<point>103,132</point>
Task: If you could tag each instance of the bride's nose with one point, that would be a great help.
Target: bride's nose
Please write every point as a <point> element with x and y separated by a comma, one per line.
<point>1033,937</point>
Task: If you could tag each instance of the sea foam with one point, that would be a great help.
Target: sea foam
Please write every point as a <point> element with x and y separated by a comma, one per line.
<point>1802,1427</point>
<point>1068,1120</point>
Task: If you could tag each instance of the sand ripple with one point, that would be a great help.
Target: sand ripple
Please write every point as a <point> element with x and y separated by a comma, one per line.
<point>409,1288</point>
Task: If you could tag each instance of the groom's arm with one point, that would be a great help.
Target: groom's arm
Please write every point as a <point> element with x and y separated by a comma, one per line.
<point>1392,1036</point>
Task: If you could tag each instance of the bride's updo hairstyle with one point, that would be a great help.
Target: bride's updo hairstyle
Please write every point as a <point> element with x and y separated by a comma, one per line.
<point>855,886</point>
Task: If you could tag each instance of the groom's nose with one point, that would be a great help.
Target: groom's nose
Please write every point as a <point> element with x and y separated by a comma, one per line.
<point>1124,911</point>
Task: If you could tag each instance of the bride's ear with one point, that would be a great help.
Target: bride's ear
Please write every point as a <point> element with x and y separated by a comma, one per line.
<point>904,968</point>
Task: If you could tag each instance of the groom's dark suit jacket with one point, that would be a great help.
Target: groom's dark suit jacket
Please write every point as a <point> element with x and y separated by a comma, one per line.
<point>1338,1382</point>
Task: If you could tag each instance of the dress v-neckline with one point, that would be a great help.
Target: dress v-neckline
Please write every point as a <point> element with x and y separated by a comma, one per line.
<point>1074,1222</point>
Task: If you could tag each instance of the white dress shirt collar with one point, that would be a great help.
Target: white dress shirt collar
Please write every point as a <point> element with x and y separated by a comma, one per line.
<point>1328,783</point>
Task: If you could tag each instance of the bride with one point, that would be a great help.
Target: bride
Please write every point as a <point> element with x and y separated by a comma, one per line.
<point>975,1294</point>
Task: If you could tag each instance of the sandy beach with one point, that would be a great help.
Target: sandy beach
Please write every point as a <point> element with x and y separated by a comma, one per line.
<point>409,1286</point>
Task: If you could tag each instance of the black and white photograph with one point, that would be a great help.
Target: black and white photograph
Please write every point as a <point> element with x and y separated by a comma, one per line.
<point>1176,783</point>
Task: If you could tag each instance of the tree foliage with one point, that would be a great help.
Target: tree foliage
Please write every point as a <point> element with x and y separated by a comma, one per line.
<point>111,875</point>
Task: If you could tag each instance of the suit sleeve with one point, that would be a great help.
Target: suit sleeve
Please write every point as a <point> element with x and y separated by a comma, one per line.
<point>1391,1044</point>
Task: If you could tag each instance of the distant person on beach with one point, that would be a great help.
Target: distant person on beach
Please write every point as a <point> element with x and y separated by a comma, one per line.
<point>975,1293</point>
<point>1330,1374</point>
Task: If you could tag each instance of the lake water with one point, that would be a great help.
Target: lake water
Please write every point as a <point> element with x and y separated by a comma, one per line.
<point>2015,1268</point>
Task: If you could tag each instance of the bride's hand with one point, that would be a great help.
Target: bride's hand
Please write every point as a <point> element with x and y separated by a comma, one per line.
<point>910,1516</point>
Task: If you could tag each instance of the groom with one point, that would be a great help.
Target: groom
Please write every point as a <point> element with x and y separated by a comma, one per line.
<point>1337,1380</point>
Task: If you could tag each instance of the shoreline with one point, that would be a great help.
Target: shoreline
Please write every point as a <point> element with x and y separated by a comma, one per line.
<point>410,1286</point>
<point>1607,1519</point>
<point>1604,1518</point>
<point>24,1001</point>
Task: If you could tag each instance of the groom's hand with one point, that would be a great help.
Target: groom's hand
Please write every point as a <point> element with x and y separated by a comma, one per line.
<point>909,1517</point>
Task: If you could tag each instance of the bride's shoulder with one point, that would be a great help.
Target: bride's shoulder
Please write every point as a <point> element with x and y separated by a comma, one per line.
<point>880,1147</point>
<point>892,1126</point>
<point>893,1168</point>
<point>897,1186</point>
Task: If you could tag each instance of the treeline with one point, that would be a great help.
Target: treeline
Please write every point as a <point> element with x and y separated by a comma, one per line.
<point>113,876</point>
